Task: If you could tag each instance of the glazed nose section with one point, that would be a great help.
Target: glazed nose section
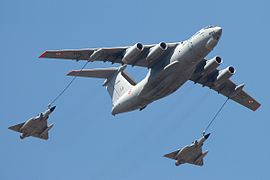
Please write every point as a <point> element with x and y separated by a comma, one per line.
<point>217,33</point>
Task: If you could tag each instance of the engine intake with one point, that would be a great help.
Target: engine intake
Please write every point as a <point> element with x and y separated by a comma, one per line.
<point>155,52</point>
<point>211,65</point>
<point>224,75</point>
<point>132,53</point>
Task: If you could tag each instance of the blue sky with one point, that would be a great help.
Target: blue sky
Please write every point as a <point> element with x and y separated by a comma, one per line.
<point>87,142</point>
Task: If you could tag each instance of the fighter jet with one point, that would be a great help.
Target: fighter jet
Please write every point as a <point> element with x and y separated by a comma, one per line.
<point>35,126</point>
<point>191,154</point>
<point>170,66</point>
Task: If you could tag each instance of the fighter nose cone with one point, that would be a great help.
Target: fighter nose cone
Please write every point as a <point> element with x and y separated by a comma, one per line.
<point>207,135</point>
<point>52,108</point>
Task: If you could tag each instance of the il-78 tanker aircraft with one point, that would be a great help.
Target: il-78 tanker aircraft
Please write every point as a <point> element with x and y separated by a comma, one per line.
<point>170,66</point>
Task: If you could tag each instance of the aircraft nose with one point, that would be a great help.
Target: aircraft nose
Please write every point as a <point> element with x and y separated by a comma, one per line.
<point>115,110</point>
<point>207,135</point>
<point>219,30</point>
<point>217,33</point>
<point>52,108</point>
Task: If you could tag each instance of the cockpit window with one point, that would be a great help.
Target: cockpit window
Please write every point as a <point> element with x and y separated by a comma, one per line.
<point>207,27</point>
<point>199,32</point>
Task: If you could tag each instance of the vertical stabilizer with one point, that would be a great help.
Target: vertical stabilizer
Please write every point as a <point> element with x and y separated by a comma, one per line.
<point>118,84</point>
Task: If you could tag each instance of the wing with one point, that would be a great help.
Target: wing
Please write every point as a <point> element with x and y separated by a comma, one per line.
<point>16,127</point>
<point>113,55</point>
<point>198,163</point>
<point>44,136</point>
<point>192,153</point>
<point>228,88</point>
<point>172,155</point>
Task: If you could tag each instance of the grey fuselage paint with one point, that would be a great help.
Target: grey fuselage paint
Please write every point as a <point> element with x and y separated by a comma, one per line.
<point>171,72</point>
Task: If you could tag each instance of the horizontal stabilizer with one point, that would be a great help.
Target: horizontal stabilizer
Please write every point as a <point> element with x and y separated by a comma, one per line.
<point>97,73</point>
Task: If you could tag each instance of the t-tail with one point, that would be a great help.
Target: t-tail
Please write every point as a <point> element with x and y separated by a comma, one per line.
<point>117,81</point>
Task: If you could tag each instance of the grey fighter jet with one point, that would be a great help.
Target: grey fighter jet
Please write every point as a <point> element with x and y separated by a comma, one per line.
<point>170,65</point>
<point>35,126</point>
<point>191,154</point>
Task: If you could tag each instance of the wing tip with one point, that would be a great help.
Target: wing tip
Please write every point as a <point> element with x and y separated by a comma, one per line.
<point>13,128</point>
<point>165,156</point>
<point>257,107</point>
<point>45,138</point>
<point>43,54</point>
<point>71,73</point>
<point>170,155</point>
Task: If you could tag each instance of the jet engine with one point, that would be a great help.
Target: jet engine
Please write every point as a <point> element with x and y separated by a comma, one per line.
<point>224,75</point>
<point>211,65</point>
<point>132,53</point>
<point>155,52</point>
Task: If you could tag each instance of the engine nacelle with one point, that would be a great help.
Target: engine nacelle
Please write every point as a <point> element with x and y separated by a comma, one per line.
<point>224,75</point>
<point>211,65</point>
<point>132,54</point>
<point>155,52</point>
